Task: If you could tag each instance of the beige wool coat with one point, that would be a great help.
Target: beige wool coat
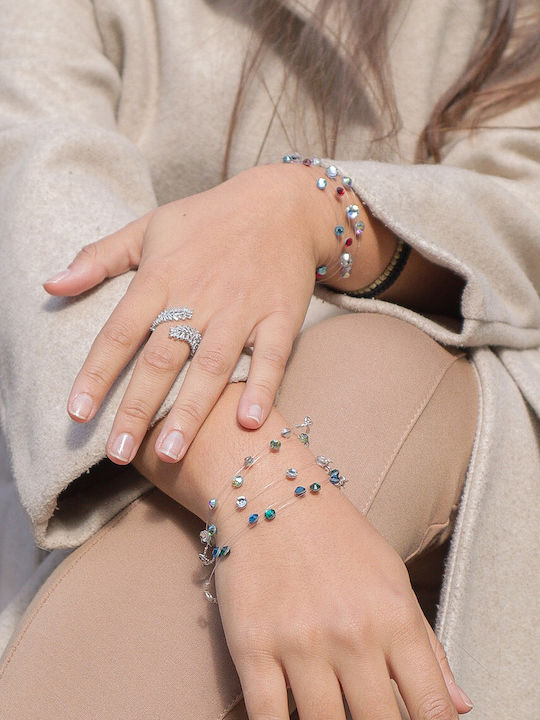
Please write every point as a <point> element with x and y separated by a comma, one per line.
<point>110,107</point>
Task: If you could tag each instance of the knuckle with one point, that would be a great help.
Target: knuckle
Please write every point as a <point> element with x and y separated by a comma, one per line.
<point>97,376</point>
<point>263,386</point>
<point>118,335</point>
<point>189,410</point>
<point>407,625</point>
<point>88,252</point>
<point>211,360</point>
<point>434,707</point>
<point>137,409</point>
<point>159,357</point>
<point>275,356</point>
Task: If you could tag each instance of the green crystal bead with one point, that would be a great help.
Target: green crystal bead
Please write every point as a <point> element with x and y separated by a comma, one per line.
<point>314,487</point>
<point>270,514</point>
<point>224,551</point>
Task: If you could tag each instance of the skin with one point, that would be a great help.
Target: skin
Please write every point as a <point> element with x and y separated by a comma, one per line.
<point>283,626</point>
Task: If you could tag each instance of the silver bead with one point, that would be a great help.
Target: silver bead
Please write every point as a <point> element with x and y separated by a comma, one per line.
<point>241,501</point>
<point>331,171</point>
<point>352,211</point>
<point>322,183</point>
<point>286,432</point>
<point>291,473</point>
<point>315,161</point>
<point>237,481</point>
<point>345,259</point>
<point>346,181</point>
<point>249,461</point>
<point>205,560</point>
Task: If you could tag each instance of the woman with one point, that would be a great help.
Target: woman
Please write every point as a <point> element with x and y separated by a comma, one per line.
<point>113,110</point>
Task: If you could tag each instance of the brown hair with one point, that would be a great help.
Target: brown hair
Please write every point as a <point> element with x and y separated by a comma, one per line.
<point>339,69</point>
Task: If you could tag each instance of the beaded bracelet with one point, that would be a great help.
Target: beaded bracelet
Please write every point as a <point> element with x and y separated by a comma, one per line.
<point>347,255</point>
<point>388,276</point>
<point>219,553</point>
<point>207,535</point>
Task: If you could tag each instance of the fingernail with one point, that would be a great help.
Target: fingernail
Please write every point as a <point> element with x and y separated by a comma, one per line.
<point>173,444</point>
<point>81,406</point>
<point>255,413</point>
<point>58,277</point>
<point>122,447</point>
<point>466,699</point>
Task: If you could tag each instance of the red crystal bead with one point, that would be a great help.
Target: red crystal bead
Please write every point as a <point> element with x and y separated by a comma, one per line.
<point>340,191</point>
<point>307,162</point>
<point>348,242</point>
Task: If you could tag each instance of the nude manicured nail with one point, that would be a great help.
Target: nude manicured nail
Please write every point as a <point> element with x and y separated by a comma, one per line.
<point>173,444</point>
<point>255,413</point>
<point>122,447</point>
<point>56,278</point>
<point>81,406</point>
<point>466,699</point>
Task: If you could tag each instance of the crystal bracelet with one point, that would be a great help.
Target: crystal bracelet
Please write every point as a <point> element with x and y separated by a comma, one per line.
<point>207,535</point>
<point>356,226</point>
<point>219,553</point>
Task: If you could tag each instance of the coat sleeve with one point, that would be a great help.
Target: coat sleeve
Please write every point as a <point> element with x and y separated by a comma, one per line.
<point>477,213</point>
<point>71,171</point>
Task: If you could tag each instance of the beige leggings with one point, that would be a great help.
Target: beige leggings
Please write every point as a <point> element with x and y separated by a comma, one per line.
<point>121,630</point>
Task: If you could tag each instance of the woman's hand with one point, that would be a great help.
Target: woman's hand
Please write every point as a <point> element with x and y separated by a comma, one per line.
<point>243,256</point>
<point>318,601</point>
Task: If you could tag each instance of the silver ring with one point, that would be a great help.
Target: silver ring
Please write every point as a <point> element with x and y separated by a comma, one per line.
<point>187,333</point>
<point>172,315</point>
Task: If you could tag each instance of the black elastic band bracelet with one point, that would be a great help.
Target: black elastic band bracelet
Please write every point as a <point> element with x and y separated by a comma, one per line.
<point>388,276</point>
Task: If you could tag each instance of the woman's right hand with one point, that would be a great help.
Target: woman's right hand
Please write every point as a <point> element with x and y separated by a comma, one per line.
<point>319,602</point>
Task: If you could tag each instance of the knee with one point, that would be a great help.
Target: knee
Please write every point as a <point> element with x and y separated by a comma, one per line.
<point>363,343</point>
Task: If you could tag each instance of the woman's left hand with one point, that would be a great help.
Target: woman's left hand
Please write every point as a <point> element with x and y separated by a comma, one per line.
<point>242,255</point>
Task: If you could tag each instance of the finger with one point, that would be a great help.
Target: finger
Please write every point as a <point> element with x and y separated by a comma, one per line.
<point>316,689</point>
<point>263,685</point>
<point>209,372</point>
<point>157,367</point>
<point>114,346</point>
<point>108,257</point>
<point>459,697</point>
<point>414,667</point>
<point>368,689</point>
<point>272,347</point>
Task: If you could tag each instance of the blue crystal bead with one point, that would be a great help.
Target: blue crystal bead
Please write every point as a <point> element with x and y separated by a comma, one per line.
<point>212,530</point>
<point>287,159</point>
<point>291,473</point>
<point>334,473</point>
<point>331,171</point>
<point>270,514</point>
<point>215,552</point>
<point>322,183</point>
<point>241,501</point>
<point>299,491</point>
<point>339,230</point>
<point>321,270</point>
<point>253,518</point>
<point>296,156</point>
<point>212,504</point>
<point>225,550</point>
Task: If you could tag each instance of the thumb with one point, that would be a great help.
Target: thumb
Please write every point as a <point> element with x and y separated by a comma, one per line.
<point>112,255</point>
